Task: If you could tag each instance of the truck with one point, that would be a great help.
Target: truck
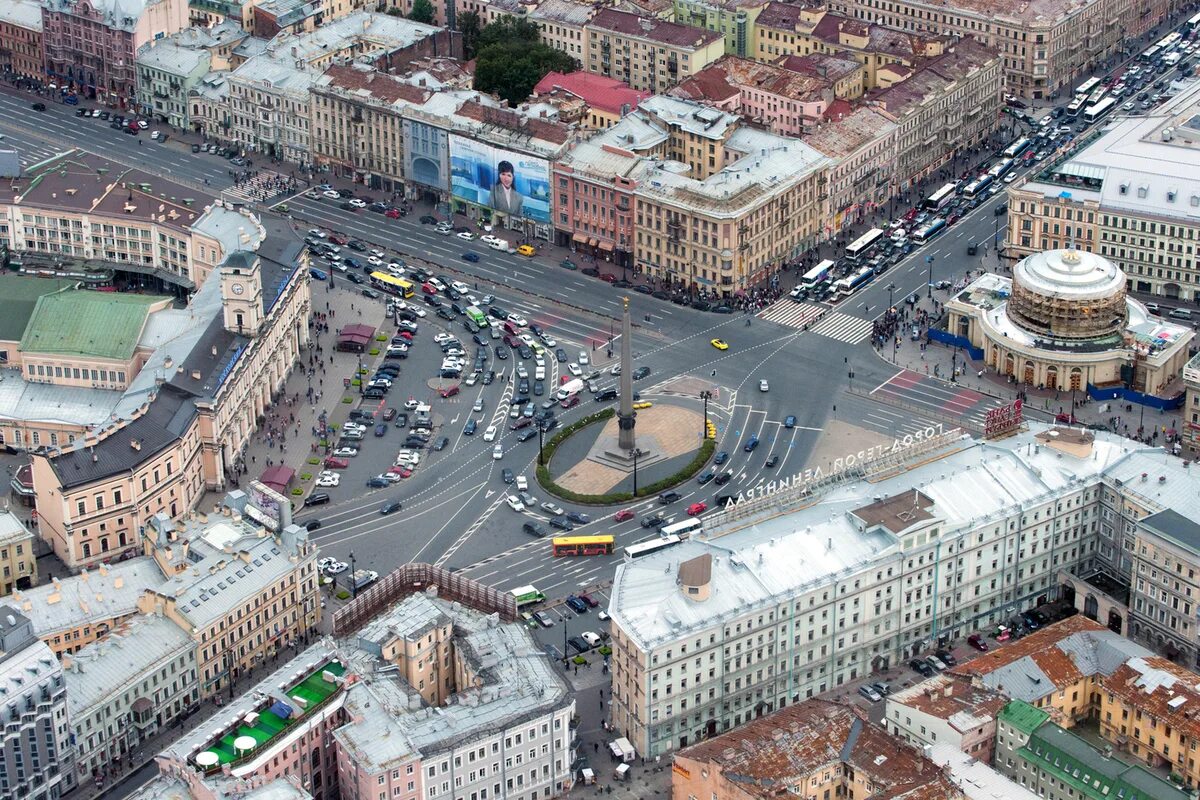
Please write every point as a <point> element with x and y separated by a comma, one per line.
<point>622,750</point>
<point>573,386</point>
<point>527,595</point>
<point>364,577</point>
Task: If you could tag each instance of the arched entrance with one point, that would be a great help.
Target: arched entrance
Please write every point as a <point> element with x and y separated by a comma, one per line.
<point>1030,375</point>
<point>1116,622</point>
<point>1091,607</point>
<point>1051,377</point>
<point>1076,379</point>
<point>994,361</point>
<point>1171,290</point>
<point>1010,367</point>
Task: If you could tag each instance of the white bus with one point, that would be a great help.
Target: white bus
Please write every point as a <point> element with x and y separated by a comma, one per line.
<point>815,278</point>
<point>977,186</point>
<point>999,169</point>
<point>1099,110</point>
<point>859,247</point>
<point>938,200</point>
<point>1016,148</point>
<point>1097,96</point>
<point>1087,86</point>
<point>1193,23</point>
<point>681,529</point>
<point>1076,106</point>
<point>846,286</point>
<point>649,546</point>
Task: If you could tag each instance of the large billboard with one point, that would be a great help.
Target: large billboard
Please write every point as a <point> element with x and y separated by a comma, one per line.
<point>506,182</point>
<point>268,507</point>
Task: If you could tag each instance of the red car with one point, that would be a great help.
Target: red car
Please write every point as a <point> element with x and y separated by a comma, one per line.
<point>910,215</point>
<point>338,239</point>
<point>449,391</point>
<point>334,462</point>
<point>427,288</point>
<point>403,472</point>
<point>608,278</point>
<point>587,598</point>
<point>696,509</point>
<point>405,335</point>
<point>624,514</point>
<point>392,213</point>
<point>976,641</point>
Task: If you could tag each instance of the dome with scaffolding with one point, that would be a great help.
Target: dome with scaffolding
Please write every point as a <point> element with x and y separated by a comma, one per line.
<point>1068,295</point>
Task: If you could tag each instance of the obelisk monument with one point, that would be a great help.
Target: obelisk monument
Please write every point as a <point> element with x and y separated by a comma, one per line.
<point>625,418</point>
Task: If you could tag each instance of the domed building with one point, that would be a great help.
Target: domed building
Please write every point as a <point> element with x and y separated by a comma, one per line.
<point>1064,321</point>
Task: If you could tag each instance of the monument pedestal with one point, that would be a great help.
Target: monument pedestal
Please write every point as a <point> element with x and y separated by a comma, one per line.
<point>608,452</point>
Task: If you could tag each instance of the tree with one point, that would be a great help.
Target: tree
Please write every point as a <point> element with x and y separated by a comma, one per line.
<point>510,59</point>
<point>422,11</point>
<point>468,26</point>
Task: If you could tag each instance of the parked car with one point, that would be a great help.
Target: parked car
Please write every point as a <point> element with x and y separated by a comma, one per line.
<point>870,693</point>
<point>976,641</point>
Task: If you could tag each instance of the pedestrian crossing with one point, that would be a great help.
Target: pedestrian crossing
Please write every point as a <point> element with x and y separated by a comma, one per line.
<point>262,188</point>
<point>821,321</point>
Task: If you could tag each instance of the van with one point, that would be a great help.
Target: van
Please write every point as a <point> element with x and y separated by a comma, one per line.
<point>1181,313</point>
<point>511,328</point>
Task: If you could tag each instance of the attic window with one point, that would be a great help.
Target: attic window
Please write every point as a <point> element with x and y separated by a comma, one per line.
<point>1195,200</point>
<point>1171,196</point>
<point>1142,192</point>
<point>1124,188</point>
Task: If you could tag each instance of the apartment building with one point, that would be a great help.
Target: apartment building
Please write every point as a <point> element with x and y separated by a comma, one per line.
<point>782,101</point>
<point>648,54</point>
<point>562,24</point>
<point>36,751</point>
<point>594,184</point>
<point>241,590</point>
<point>1058,765</point>
<point>946,709</point>
<point>815,748</point>
<point>955,543</point>
<point>92,45</point>
<point>21,39</point>
<point>71,612</point>
<point>168,71</point>
<point>18,565</point>
<point>733,19</point>
<point>1191,409</point>
<point>977,779</point>
<point>606,100</point>
<point>842,72</point>
<point>1165,585</point>
<point>126,688</point>
<point>950,103</point>
<point>1044,45</point>
<point>1131,194</point>
<point>861,146</point>
<point>493,718</point>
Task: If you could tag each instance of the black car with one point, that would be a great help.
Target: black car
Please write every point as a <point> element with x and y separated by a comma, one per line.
<point>772,461</point>
<point>656,521</point>
<point>578,517</point>
<point>591,271</point>
<point>561,523</point>
<point>312,525</point>
<point>560,356</point>
<point>488,377</point>
<point>667,498</point>
<point>470,428</point>
<point>401,420</point>
<point>576,605</point>
<point>640,373</point>
<point>378,208</point>
<point>549,424</point>
<point>428,220</point>
<point>606,395</point>
<point>946,657</point>
<point>316,499</point>
<point>415,443</point>
<point>507,475</point>
<point>39,106</point>
<point>445,313</point>
<point>922,667</point>
<point>441,444</point>
<point>533,529</point>
<point>723,478</point>
<point>501,352</point>
<point>355,244</point>
<point>577,644</point>
<point>377,483</point>
<point>390,508</point>
<point>525,352</point>
<point>705,477</point>
<point>371,293</point>
<point>526,435</point>
<point>523,386</point>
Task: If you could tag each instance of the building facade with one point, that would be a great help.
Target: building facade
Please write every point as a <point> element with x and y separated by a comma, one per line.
<point>18,564</point>
<point>875,587</point>
<point>1191,404</point>
<point>648,54</point>
<point>946,709</point>
<point>861,147</point>
<point>1113,197</point>
<point>1165,586</point>
<point>733,19</point>
<point>562,24</point>
<point>169,71</point>
<point>21,53</point>
<point>92,46</point>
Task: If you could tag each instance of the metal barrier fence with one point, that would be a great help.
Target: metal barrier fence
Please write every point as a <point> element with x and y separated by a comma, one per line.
<point>413,578</point>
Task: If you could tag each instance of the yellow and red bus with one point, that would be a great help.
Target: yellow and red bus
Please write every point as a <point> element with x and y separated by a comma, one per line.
<point>582,545</point>
<point>391,284</point>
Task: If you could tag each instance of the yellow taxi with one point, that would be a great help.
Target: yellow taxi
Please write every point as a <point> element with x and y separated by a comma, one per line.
<point>643,404</point>
<point>527,250</point>
<point>720,344</point>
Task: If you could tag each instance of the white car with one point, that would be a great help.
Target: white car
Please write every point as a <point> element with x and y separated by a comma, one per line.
<point>466,235</point>
<point>358,203</point>
<point>500,245</point>
<point>444,231</point>
<point>538,361</point>
<point>402,306</point>
<point>528,339</point>
<point>390,477</point>
<point>549,340</point>
<point>574,369</point>
<point>437,284</point>
<point>443,337</point>
<point>539,373</point>
<point>490,434</point>
<point>478,405</point>
<point>553,509</point>
<point>763,386</point>
<point>517,319</point>
<point>375,261</point>
<point>591,638</point>
<point>514,503</point>
<point>337,568</point>
<point>331,194</point>
<point>615,370</point>
<point>317,232</point>
<point>378,253</point>
<point>489,239</point>
<point>497,452</point>
<point>460,287</point>
<point>325,563</point>
<point>330,480</point>
<point>522,373</point>
<point>583,358</point>
<point>354,426</point>
<point>346,452</point>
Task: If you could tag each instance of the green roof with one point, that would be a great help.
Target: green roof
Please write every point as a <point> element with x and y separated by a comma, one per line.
<point>18,297</point>
<point>1091,773</point>
<point>88,323</point>
<point>1023,716</point>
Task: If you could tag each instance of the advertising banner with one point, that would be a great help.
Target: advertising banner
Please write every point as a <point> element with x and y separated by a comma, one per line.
<point>508,183</point>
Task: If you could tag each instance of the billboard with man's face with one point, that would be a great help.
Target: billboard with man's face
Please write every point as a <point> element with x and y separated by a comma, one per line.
<point>506,182</point>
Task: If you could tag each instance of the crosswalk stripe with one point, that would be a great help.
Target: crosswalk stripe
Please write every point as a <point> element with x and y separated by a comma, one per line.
<point>833,324</point>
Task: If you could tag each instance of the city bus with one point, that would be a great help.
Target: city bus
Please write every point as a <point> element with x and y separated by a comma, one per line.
<point>846,286</point>
<point>1170,40</point>
<point>817,276</point>
<point>978,186</point>
<point>527,595</point>
<point>1097,96</point>
<point>1075,106</point>
<point>1016,148</point>
<point>1099,110</point>
<point>477,316</point>
<point>1193,23</point>
<point>582,545</point>
<point>927,232</point>
<point>650,546</point>
<point>1151,53</point>
<point>857,249</point>
<point>1087,87</point>
<point>999,169</point>
<point>392,284</point>
<point>938,200</point>
<point>683,530</point>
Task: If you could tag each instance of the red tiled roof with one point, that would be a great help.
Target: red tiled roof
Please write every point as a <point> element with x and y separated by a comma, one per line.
<point>1183,716</point>
<point>542,129</point>
<point>598,91</point>
<point>655,30</point>
<point>837,109</point>
<point>1037,645</point>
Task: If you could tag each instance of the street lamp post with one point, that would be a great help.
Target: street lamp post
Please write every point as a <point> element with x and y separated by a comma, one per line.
<point>353,583</point>
<point>358,374</point>
<point>541,435</point>
<point>636,453</point>
<point>929,281</point>
<point>705,395</point>
<point>891,288</point>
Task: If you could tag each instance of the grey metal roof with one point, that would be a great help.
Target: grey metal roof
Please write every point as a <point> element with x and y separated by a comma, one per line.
<point>97,594</point>
<point>1174,526</point>
<point>12,529</point>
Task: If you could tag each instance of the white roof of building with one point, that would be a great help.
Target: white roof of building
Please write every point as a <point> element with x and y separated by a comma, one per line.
<point>281,74</point>
<point>1070,274</point>
<point>24,13</point>
<point>772,557</point>
<point>12,530</point>
<point>164,787</point>
<point>120,14</point>
<point>363,27</point>
<point>92,595</point>
<point>976,779</point>
<point>105,669</point>
<point>173,58</point>
<point>1147,164</point>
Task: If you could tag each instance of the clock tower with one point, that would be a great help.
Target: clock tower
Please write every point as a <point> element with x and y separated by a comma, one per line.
<point>241,293</point>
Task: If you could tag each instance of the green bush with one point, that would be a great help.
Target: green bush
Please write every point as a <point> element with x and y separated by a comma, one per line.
<point>306,476</point>
<point>381,337</point>
<point>605,651</point>
<point>347,400</point>
<point>374,351</point>
<point>297,492</point>
<point>356,381</point>
<point>313,461</point>
<point>342,595</point>
<point>613,498</point>
<point>579,660</point>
